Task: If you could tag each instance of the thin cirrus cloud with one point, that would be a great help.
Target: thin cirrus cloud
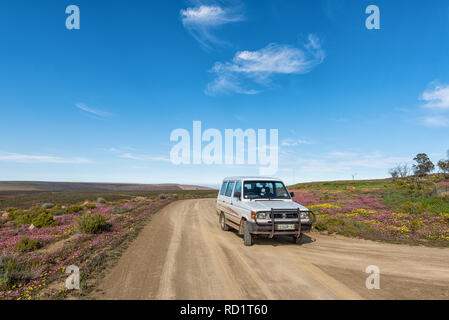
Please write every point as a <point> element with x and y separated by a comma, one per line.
<point>203,20</point>
<point>26,158</point>
<point>140,157</point>
<point>124,153</point>
<point>249,72</point>
<point>94,112</point>
<point>294,142</point>
<point>436,99</point>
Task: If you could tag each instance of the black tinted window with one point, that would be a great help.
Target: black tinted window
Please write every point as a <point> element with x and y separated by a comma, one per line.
<point>265,190</point>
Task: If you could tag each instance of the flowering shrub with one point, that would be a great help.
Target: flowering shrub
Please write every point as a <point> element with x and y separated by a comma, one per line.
<point>389,212</point>
<point>26,245</point>
<point>34,273</point>
<point>44,220</point>
<point>91,223</point>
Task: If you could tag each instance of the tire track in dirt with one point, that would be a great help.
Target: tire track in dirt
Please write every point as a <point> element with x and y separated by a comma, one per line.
<point>183,254</point>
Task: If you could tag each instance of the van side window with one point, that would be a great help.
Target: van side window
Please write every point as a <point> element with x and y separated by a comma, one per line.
<point>229,189</point>
<point>223,188</point>
<point>238,188</point>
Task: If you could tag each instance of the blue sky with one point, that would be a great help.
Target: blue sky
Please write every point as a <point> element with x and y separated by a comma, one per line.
<point>99,103</point>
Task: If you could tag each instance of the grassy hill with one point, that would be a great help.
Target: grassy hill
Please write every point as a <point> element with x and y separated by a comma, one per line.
<point>413,211</point>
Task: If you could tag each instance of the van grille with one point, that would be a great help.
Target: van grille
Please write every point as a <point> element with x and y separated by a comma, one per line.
<point>284,215</point>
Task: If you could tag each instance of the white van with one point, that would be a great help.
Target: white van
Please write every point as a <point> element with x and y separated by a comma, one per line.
<point>261,207</point>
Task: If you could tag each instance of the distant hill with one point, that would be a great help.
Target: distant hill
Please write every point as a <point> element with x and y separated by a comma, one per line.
<point>86,186</point>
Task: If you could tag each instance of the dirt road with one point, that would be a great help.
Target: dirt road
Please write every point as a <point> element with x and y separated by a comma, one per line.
<point>183,254</point>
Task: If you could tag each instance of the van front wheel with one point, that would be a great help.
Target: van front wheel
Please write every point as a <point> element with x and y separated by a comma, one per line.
<point>247,237</point>
<point>298,240</point>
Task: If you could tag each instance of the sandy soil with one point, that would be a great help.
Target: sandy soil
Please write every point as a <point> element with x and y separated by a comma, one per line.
<point>183,254</point>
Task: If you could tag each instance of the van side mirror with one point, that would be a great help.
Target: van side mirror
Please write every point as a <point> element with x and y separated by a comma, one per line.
<point>237,195</point>
<point>292,194</point>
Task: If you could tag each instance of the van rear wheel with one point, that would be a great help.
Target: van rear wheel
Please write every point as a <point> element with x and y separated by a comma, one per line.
<point>247,237</point>
<point>223,224</point>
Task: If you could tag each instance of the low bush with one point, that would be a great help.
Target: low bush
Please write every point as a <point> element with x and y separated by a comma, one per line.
<point>48,205</point>
<point>44,220</point>
<point>91,223</point>
<point>27,245</point>
<point>8,271</point>
<point>57,210</point>
<point>101,200</point>
<point>24,218</point>
<point>412,208</point>
<point>340,226</point>
<point>91,206</point>
<point>74,209</point>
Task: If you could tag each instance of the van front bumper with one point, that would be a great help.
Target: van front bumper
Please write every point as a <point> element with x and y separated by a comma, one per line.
<point>273,230</point>
<point>278,225</point>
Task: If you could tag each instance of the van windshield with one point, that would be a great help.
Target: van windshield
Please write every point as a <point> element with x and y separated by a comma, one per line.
<point>264,190</point>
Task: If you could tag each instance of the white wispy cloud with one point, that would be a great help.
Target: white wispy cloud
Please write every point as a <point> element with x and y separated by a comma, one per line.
<point>94,112</point>
<point>294,142</point>
<point>124,153</point>
<point>201,21</point>
<point>436,96</point>
<point>141,157</point>
<point>257,68</point>
<point>25,158</point>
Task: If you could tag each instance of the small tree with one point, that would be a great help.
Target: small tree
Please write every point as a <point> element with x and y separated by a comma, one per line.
<point>400,171</point>
<point>403,170</point>
<point>423,165</point>
<point>444,166</point>
<point>394,173</point>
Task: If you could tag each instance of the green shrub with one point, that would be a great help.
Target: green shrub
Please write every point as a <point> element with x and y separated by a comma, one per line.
<point>8,270</point>
<point>340,226</point>
<point>48,205</point>
<point>36,210</point>
<point>91,206</point>
<point>91,223</point>
<point>74,209</point>
<point>57,210</point>
<point>44,220</point>
<point>412,208</point>
<point>27,245</point>
<point>24,218</point>
<point>119,210</point>
<point>101,200</point>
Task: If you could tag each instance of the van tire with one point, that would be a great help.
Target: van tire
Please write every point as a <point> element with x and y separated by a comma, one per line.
<point>223,224</point>
<point>298,240</point>
<point>247,237</point>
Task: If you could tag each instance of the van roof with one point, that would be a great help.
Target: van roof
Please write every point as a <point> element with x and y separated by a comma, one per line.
<point>252,178</point>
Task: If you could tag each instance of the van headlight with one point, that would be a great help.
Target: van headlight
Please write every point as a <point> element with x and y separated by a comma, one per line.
<point>304,215</point>
<point>262,215</point>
